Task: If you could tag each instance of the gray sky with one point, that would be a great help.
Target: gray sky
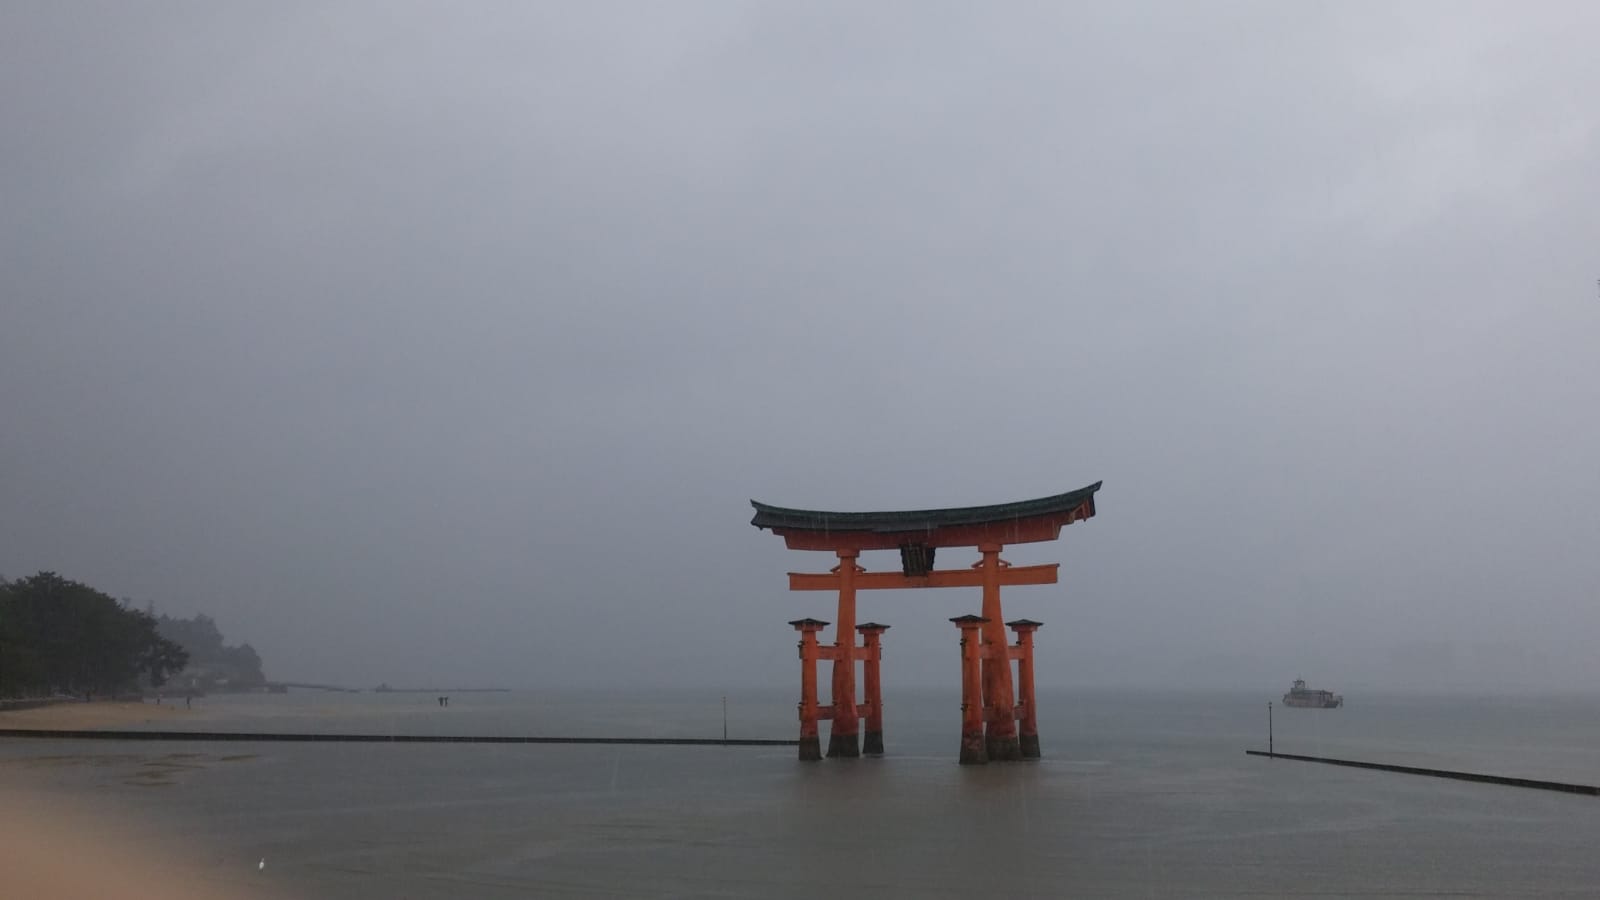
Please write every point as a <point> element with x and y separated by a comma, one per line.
<point>447,342</point>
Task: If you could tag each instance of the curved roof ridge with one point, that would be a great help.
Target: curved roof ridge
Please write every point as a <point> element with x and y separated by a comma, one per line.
<point>768,516</point>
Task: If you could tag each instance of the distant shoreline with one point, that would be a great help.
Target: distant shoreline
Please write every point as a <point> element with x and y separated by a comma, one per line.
<point>10,705</point>
<point>77,714</point>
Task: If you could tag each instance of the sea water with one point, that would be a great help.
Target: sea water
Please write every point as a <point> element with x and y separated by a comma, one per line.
<point>1139,795</point>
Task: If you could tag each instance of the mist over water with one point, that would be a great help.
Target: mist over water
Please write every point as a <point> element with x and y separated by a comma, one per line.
<point>1554,737</point>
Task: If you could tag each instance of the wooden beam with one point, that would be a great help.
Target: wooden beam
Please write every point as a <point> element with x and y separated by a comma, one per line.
<point>890,581</point>
<point>1001,651</point>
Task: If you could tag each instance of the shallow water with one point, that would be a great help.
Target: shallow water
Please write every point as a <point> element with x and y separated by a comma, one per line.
<point>1139,795</point>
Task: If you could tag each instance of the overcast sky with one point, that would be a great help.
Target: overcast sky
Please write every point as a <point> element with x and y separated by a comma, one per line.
<point>448,342</point>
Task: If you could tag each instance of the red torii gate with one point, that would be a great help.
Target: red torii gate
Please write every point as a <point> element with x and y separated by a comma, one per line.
<point>990,711</point>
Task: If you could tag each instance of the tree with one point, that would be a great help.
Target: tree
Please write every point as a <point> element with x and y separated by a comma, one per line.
<point>60,635</point>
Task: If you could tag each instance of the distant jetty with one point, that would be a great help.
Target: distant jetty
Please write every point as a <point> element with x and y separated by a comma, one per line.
<point>280,687</point>
<point>386,689</point>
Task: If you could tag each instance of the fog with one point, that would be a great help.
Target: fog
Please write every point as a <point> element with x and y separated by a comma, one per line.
<point>448,343</point>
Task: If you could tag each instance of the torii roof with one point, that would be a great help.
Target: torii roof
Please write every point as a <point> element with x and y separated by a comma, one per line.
<point>894,527</point>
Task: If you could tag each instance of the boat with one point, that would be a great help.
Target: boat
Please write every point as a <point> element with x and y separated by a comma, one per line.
<point>1306,698</point>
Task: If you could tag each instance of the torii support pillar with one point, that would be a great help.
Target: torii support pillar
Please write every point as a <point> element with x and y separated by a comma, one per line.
<point>871,676</point>
<point>810,744</point>
<point>844,735</point>
<point>1027,708</point>
<point>973,751</point>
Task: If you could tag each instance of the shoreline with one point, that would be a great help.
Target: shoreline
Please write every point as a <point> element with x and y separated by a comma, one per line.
<point>78,715</point>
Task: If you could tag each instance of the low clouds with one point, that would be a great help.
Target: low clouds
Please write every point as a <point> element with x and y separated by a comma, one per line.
<point>411,340</point>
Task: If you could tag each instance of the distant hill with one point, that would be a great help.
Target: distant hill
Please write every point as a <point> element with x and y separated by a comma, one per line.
<point>213,664</point>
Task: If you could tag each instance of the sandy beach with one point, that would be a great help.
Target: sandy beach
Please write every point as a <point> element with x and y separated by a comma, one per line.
<point>93,715</point>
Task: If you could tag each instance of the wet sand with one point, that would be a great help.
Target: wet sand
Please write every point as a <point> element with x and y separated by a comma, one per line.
<point>54,849</point>
<point>94,715</point>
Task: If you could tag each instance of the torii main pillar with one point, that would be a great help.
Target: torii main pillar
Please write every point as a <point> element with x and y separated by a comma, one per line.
<point>1000,723</point>
<point>917,534</point>
<point>844,738</point>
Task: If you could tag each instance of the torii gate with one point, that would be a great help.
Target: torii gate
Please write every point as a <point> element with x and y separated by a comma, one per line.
<point>990,711</point>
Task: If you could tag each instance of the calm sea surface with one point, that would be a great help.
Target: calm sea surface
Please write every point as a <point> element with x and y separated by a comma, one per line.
<point>1140,795</point>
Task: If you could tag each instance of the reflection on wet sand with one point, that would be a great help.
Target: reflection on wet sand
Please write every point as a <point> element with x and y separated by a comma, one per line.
<point>50,850</point>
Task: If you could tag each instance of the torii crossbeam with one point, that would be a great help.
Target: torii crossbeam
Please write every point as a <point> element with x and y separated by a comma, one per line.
<point>917,534</point>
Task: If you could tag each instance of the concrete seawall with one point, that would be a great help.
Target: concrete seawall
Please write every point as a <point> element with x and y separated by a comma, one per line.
<point>270,737</point>
<point>1562,786</point>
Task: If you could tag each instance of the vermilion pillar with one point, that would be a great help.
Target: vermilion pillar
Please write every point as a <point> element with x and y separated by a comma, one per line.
<point>973,750</point>
<point>871,656</point>
<point>810,743</point>
<point>998,697</point>
<point>1027,708</point>
<point>844,739</point>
